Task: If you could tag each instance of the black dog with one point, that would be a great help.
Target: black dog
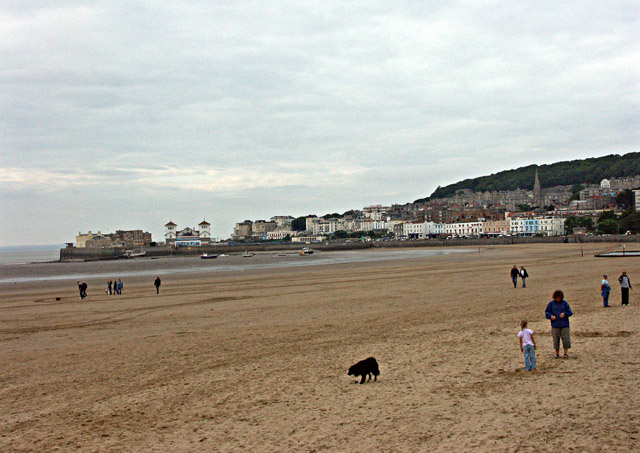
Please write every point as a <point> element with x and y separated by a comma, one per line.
<point>365,368</point>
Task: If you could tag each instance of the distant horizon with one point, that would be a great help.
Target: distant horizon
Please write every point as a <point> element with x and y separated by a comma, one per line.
<point>160,237</point>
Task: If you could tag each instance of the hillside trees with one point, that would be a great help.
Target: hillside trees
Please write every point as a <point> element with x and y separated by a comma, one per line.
<point>587,171</point>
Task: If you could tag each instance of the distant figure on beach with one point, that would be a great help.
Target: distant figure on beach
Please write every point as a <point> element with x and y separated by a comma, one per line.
<point>524,275</point>
<point>558,311</point>
<point>605,290</point>
<point>157,284</point>
<point>120,287</point>
<point>109,285</point>
<point>625,286</point>
<point>514,275</point>
<point>527,346</point>
<point>83,289</point>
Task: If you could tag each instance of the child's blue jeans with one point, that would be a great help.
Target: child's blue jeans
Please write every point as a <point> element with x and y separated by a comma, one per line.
<point>529,357</point>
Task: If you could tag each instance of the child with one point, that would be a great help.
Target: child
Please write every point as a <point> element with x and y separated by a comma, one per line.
<point>605,290</point>
<point>527,346</point>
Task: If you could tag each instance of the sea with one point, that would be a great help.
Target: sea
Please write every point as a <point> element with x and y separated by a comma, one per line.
<point>16,255</point>
<point>33,264</point>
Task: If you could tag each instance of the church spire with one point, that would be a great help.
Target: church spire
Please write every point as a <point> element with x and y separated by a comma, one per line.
<point>536,183</point>
<point>537,191</point>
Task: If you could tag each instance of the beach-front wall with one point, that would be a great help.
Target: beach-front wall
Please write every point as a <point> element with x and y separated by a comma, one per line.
<point>84,254</point>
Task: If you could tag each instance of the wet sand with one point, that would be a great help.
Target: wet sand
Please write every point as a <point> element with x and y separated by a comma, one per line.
<point>256,360</point>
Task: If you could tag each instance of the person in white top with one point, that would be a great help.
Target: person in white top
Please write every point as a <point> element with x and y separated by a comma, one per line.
<point>527,346</point>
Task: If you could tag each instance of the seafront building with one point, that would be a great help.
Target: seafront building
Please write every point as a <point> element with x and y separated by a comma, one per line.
<point>276,228</point>
<point>82,238</point>
<point>521,212</point>
<point>121,238</point>
<point>187,237</point>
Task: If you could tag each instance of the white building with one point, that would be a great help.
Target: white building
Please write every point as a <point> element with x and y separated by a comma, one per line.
<point>636,197</point>
<point>464,229</point>
<point>517,226</point>
<point>605,184</point>
<point>320,226</point>
<point>376,212</point>
<point>414,230</point>
<point>279,235</point>
<point>307,239</point>
<point>551,226</point>
<point>378,225</point>
<point>188,237</point>
<point>435,229</point>
<point>363,225</point>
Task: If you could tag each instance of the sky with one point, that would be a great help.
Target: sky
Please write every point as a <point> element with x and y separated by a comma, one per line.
<point>128,114</point>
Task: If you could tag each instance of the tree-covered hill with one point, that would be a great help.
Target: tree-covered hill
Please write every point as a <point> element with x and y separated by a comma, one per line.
<point>589,171</point>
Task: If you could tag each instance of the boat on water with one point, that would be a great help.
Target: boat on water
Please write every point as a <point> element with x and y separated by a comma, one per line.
<point>207,256</point>
<point>247,254</point>
<point>306,251</point>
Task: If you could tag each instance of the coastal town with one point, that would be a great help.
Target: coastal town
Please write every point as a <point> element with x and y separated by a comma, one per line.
<point>553,211</point>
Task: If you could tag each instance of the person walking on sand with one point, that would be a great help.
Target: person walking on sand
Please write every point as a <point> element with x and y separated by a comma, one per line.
<point>83,289</point>
<point>120,286</point>
<point>157,284</point>
<point>514,275</point>
<point>558,311</point>
<point>527,346</point>
<point>605,290</point>
<point>109,285</point>
<point>524,275</point>
<point>625,286</point>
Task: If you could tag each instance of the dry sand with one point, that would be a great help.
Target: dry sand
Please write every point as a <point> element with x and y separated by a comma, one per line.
<point>258,361</point>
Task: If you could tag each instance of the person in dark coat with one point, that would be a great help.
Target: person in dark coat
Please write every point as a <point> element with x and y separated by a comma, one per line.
<point>514,275</point>
<point>157,284</point>
<point>558,312</point>
<point>625,286</point>
<point>83,289</point>
<point>110,285</point>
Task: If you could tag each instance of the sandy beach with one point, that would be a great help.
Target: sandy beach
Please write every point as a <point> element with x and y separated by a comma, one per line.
<point>257,360</point>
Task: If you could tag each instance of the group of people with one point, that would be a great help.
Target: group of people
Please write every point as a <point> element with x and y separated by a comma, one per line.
<point>625,286</point>
<point>522,273</point>
<point>114,287</point>
<point>558,312</point>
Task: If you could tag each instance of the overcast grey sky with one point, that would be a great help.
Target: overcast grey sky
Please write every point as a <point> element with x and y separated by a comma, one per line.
<point>123,115</point>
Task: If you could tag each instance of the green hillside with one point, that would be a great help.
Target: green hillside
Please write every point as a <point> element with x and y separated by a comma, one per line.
<point>589,171</point>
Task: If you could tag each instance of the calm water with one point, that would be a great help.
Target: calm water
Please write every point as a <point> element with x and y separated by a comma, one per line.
<point>102,270</point>
<point>30,254</point>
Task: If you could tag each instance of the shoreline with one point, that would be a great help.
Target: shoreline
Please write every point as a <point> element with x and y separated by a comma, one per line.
<point>94,271</point>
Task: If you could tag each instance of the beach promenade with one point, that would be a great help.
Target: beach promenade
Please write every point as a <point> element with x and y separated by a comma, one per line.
<point>257,360</point>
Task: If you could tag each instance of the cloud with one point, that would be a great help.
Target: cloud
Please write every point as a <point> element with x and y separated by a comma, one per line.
<point>183,178</point>
<point>375,101</point>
